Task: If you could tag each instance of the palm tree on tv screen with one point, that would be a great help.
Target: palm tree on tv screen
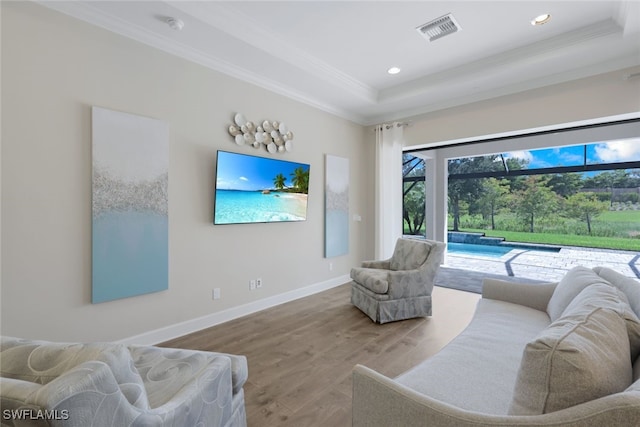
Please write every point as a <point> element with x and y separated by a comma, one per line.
<point>301,179</point>
<point>278,181</point>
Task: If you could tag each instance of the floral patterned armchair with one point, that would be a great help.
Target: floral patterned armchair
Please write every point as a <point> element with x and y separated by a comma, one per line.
<point>400,287</point>
<point>107,384</point>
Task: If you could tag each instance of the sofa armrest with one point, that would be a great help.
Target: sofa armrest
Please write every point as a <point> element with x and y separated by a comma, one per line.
<point>15,393</point>
<point>383,264</point>
<point>89,392</point>
<point>83,394</point>
<point>206,395</point>
<point>166,370</point>
<point>527,294</point>
<point>408,283</point>
<point>379,401</point>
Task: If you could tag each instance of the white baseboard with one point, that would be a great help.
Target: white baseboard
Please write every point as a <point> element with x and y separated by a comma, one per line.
<point>183,328</point>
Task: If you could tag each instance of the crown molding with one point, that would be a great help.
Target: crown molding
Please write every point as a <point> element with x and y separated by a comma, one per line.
<point>387,102</point>
<point>254,33</point>
<point>87,13</point>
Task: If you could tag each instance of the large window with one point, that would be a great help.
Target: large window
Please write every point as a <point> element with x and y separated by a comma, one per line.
<point>586,195</point>
<point>576,195</point>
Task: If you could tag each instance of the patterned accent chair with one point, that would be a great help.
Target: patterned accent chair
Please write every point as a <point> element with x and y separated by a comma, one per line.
<point>108,384</point>
<point>400,287</point>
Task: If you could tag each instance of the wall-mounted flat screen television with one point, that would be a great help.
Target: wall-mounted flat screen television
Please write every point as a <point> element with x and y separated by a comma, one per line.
<point>259,189</point>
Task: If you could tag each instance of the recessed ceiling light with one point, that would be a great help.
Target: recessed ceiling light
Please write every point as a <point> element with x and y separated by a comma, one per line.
<point>542,19</point>
<point>393,70</point>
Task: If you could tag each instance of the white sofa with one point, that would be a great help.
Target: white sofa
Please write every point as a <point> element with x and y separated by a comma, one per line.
<point>106,384</point>
<point>560,354</point>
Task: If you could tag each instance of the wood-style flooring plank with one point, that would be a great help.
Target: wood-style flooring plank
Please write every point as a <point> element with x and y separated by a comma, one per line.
<point>301,354</point>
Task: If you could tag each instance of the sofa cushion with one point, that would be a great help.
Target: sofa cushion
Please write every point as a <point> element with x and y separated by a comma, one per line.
<point>629,286</point>
<point>571,285</point>
<point>371,278</point>
<point>409,254</point>
<point>477,371</point>
<point>582,356</point>
<point>41,362</point>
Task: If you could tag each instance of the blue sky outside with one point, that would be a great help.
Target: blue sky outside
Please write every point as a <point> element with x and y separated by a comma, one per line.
<point>252,173</point>
<point>627,150</point>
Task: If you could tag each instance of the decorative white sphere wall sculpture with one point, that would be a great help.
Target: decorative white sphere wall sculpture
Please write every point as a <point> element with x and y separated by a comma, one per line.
<point>274,136</point>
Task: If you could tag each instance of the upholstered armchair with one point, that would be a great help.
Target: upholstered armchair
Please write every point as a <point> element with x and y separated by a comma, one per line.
<point>400,287</point>
<point>108,384</point>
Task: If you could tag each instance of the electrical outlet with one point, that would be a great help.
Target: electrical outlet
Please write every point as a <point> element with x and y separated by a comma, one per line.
<point>259,282</point>
<point>252,285</point>
<point>216,293</point>
<point>330,266</point>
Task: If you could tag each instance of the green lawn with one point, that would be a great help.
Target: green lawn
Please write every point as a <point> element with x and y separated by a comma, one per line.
<point>560,231</point>
<point>612,230</point>
<point>620,216</point>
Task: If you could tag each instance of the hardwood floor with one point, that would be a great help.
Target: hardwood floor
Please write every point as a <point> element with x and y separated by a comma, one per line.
<point>301,353</point>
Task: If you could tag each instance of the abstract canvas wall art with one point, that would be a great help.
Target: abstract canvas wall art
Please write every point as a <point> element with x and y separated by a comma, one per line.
<point>336,206</point>
<point>130,224</point>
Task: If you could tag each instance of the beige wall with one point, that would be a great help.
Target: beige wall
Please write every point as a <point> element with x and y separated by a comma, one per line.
<point>591,98</point>
<point>54,68</point>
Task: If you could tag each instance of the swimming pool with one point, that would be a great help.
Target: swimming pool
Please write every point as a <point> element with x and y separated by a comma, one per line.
<point>493,251</point>
<point>496,251</point>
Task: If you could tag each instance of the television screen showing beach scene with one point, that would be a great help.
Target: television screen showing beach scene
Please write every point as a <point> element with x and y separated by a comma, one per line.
<point>259,189</point>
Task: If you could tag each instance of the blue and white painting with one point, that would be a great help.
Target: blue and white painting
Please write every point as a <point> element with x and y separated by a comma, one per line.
<point>336,206</point>
<point>130,224</point>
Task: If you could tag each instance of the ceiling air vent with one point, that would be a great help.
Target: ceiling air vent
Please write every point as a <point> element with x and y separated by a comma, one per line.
<point>438,28</point>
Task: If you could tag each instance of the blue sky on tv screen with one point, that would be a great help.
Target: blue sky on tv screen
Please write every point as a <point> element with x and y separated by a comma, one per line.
<point>627,150</point>
<point>251,173</point>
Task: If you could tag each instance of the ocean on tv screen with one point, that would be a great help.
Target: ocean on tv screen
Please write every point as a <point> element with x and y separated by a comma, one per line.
<point>259,189</point>
<point>235,207</point>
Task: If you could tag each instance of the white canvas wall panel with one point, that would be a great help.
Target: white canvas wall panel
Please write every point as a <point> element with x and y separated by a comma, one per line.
<point>130,205</point>
<point>336,206</point>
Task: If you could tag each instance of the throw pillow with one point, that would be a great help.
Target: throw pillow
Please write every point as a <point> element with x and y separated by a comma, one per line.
<point>569,287</point>
<point>582,356</point>
<point>629,286</point>
<point>631,290</point>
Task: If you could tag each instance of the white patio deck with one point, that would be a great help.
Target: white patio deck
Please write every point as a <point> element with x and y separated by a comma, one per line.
<point>548,266</point>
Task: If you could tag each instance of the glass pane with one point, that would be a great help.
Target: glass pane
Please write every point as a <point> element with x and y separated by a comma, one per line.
<point>622,150</point>
<point>487,163</point>
<point>548,157</point>
<point>412,166</point>
<point>626,150</point>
